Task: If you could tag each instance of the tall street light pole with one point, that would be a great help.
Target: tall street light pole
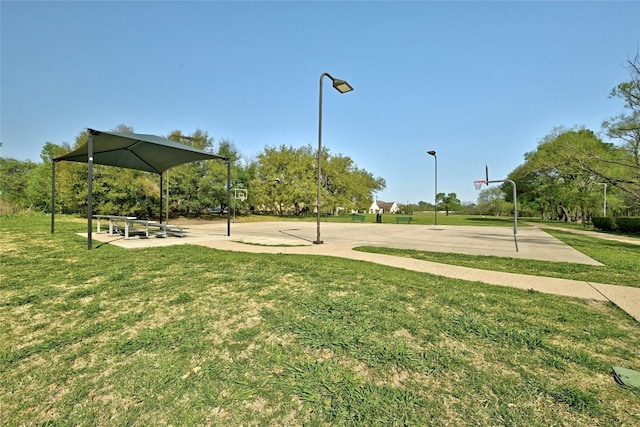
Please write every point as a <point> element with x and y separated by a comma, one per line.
<point>604,206</point>
<point>342,87</point>
<point>435,197</point>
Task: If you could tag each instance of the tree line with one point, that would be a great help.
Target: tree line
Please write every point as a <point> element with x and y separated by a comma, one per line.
<point>281,180</point>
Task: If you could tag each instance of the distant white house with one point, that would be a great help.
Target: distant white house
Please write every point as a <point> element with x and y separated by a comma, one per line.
<point>378,206</point>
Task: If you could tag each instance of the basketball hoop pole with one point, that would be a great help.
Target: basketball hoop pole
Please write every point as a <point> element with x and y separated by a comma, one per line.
<point>478,185</point>
<point>515,208</point>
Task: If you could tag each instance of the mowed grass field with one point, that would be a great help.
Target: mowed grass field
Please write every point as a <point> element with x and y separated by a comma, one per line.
<point>187,335</point>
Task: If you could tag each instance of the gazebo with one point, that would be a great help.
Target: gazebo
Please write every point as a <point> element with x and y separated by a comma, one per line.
<point>148,153</point>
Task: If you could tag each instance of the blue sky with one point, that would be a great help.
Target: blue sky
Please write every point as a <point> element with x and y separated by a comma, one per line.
<point>479,82</point>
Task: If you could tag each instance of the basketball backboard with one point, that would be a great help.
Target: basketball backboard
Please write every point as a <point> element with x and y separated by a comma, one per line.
<point>240,194</point>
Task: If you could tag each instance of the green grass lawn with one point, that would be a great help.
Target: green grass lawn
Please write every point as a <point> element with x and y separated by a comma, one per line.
<point>187,335</point>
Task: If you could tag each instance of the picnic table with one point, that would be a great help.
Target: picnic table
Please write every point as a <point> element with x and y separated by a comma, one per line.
<point>134,226</point>
<point>114,223</point>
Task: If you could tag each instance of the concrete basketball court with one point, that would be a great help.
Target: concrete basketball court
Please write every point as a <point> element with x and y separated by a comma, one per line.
<point>298,237</point>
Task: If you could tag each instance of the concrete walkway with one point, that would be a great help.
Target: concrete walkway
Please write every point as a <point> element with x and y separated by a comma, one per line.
<point>339,239</point>
<point>596,234</point>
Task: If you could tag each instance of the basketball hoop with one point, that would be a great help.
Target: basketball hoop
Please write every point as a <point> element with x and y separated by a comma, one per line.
<point>240,194</point>
<point>478,184</point>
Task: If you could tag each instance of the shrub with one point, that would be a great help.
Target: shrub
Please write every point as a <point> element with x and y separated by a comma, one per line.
<point>604,223</point>
<point>8,208</point>
<point>622,224</point>
<point>628,225</point>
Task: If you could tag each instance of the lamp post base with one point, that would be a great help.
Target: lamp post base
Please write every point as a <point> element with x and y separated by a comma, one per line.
<point>318,242</point>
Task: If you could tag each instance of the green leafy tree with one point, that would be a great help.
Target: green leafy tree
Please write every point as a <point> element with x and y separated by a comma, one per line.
<point>626,128</point>
<point>561,175</point>
<point>347,186</point>
<point>38,191</point>
<point>448,202</point>
<point>491,202</point>
<point>14,177</point>
<point>71,180</point>
<point>196,186</point>
<point>425,206</point>
<point>285,180</point>
<point>564,177</point>
<point>363,185</point>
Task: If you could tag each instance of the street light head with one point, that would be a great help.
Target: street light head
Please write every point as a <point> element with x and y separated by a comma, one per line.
<point>342,86</point>
<point>431,152</point>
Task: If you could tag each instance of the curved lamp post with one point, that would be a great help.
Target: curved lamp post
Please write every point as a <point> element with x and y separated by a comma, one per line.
<point>342,87</point>
<point>435,197</point>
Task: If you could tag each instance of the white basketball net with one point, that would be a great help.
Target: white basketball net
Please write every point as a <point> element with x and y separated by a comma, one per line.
<point>478,184</point>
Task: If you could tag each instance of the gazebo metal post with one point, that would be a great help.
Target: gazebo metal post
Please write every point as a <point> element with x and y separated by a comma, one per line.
<point>228,197</point>
<point>90,190</point>
<point>53,195</point>
<point>161,199</point>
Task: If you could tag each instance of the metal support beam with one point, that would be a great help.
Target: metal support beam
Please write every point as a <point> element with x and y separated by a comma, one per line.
<point>90,191</point>
<point>53,195</point>
<point>515,209</point>
<point>342,87</point>
<point>228,197</point>
<point>161,182</point>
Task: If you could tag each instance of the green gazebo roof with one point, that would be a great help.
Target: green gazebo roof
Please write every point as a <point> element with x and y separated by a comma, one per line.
<point>149,153</point>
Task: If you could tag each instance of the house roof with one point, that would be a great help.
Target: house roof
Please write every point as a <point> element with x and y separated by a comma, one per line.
<point>385,205</point>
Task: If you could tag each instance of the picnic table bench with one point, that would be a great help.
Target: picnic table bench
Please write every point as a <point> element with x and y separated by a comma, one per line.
<point>170,229</point>
<point>160,230</point>
<point>406,219</point>
<point>140,227</point>
<point>357,217</point>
